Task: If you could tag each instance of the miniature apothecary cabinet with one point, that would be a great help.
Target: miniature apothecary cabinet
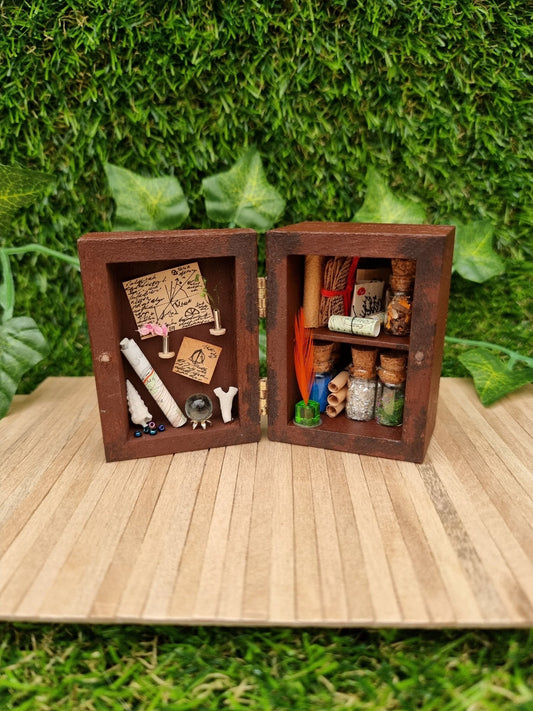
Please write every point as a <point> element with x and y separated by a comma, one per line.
<point>130,278</point>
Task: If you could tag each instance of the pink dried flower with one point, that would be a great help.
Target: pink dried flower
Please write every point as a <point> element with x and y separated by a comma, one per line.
<point>155,329</point>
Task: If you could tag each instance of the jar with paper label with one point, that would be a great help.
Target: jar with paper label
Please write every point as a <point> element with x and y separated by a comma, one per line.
<point>390,392</point>
<point>399,308</point>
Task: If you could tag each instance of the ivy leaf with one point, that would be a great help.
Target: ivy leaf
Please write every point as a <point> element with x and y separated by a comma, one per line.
<point>492,378</point>
<point>18,188</point>
<point>242,196</point>
<point>381,205</point>
<point>473,257</point>
<point>22,346</point>
<point>145,203</point>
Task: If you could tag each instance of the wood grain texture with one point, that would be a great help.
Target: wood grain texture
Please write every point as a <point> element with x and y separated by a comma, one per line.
<point>267,533</point>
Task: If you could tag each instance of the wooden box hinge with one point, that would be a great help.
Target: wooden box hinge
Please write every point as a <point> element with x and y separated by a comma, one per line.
<point>262,396</point>
<point>261,293</point>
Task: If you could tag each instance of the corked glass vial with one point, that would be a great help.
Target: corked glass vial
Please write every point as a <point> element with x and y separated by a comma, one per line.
<point>390,392</point>
<point>399,308</point>
<point>362,384</point>
<point>323,367</point>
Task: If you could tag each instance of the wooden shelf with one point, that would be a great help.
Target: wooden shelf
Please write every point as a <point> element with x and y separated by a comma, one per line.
<point>384,340</point>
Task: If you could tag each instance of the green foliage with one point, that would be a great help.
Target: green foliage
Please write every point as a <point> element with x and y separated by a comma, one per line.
<point>22,346</point>
<point>100,668</point>
<point>146,203</point>
<point>18,188</point>
<point>474,257</point>
<point>242,196</point>
<point>493,378</point>
<point>381,205</point>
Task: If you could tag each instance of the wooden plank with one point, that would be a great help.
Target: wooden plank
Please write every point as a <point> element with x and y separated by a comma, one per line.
<point>334,598</point>
<point>217,539</point>
<point>42,438</point>
<point>382,591</point>
<point>188,577</point>
<point>109,595</point>
<point>461,597</point>
<point>499,595</point>
<point>358,599</point>
<point>306,565</point>
<point>426,569</point>
<point>406,585</point>
<point>230,604</point>
<point>268,533</point>
<point>282,602</point>
<point>26,562</point>
<point>174,510</point>
<point>256,583</point>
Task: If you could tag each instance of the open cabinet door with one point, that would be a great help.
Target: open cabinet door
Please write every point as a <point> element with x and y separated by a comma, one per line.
<point>176,278</point>
<point>430,249</point>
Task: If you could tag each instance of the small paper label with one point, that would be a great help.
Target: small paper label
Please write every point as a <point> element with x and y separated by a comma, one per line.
<point>367,298</point>
<point>197,360</point>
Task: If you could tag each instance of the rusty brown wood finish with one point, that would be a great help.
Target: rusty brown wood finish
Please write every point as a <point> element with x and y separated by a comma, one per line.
<point>432,247</point>
<point>227,259</point>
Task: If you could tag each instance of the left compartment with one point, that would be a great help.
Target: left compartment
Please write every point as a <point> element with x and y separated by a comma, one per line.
<point>173,279</point>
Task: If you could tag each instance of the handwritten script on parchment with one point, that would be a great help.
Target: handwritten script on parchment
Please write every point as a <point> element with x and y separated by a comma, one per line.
<point>196,360</point>
<point>174,297</point>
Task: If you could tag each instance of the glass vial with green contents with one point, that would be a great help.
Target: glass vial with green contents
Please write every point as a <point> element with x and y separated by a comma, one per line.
<point>390,392</point>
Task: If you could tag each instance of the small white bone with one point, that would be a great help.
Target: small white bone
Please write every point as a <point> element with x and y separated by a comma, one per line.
<point>226,401</point>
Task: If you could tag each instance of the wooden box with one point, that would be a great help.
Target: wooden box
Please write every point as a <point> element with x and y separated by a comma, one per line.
<point>228,260</point>
<point>432,248</point>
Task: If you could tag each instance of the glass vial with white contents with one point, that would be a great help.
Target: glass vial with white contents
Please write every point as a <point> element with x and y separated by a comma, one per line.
<point>361,396</point>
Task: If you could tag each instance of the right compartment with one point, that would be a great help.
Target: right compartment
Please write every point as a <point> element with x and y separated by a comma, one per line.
<point>426,253</point>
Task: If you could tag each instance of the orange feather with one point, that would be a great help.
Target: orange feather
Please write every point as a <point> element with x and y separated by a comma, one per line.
<point>303,356</point>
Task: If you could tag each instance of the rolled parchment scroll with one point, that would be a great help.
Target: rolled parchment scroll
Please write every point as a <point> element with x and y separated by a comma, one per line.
<point>338,382</point>
<point>334,410</point>
<point>314,266</point>
<point>338,397</point>
<point>152,382</point>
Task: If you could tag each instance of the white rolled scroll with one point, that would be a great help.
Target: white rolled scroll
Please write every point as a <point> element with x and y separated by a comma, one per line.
<point>153,383</point>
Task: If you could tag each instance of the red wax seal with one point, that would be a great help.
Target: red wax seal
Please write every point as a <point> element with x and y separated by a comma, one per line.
<point>361,291</point>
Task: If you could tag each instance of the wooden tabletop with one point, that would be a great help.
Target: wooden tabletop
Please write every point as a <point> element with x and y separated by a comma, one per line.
<point>267,533</point>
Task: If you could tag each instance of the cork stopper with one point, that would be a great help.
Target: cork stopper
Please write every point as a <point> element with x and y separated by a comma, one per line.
<point>392,367</point>
<point>404,267</point>
<point>393,360</point>
<point>401,283</point>
<point>322,356</point>
<point>364,357</point>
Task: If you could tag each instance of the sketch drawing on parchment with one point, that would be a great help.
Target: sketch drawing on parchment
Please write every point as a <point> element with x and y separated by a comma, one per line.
<point>174,296</point>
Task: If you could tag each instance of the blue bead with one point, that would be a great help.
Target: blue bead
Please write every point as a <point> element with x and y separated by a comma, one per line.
<point>138,433</point>
<point>152,432</point>
<point>146,429</point>
<point>161,428</point>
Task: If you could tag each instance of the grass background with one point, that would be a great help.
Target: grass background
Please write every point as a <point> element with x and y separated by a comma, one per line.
<point>431,93</point>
